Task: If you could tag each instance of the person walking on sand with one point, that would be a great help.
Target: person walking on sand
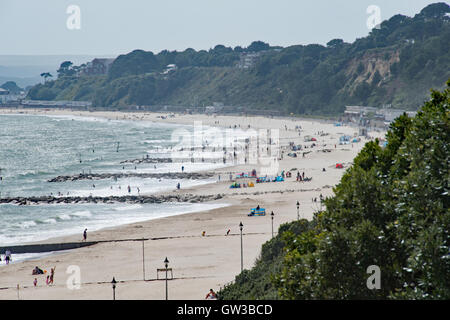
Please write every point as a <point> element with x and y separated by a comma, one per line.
<point>84,234</point>
<point>35,282</point>
<point>47,280</point>
<point>52,274</point>
<point>228,232</point>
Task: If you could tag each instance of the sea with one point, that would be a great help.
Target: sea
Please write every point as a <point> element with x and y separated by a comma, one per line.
<point>36,148</point>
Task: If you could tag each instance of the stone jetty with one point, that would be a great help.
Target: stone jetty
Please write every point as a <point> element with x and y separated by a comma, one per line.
<point>112,199</point>
<point>102,176</point>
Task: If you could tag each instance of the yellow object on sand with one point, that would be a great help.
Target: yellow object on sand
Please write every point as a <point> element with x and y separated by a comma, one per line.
<point>250,184</point>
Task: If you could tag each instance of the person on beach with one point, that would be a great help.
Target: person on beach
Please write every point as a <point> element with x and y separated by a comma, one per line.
<point>228,232</point>
<point>182,168</point>
<point>178,186</point>
<point>52,274</point>
<point>47,280</point>
<point>35,282</point>
<point>84,234</point>
<point>7,257</point>
<point>211,295</point>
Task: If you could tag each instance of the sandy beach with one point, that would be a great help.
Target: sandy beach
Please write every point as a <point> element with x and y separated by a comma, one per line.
<point>198,262</point>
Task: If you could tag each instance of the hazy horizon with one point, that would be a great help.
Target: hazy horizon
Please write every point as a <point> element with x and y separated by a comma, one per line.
<point>108,29</point>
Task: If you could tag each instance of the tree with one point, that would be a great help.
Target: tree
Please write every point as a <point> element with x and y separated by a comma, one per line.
<point>46,75</point>
<point>258,46</point>
<point>335,43</point>
<point>11,86</point>
<point>65,69</point>
<point>390,209</point>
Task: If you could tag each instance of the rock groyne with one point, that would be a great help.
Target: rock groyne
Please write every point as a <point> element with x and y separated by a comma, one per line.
<point>101,176</point>
<point>112,199</point>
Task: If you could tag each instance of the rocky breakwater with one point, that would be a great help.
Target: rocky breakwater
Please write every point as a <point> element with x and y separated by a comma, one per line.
<point>187,197</point>
<point>102,176</point>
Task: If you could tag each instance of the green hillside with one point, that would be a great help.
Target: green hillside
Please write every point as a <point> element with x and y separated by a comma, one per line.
<point>396,64</point>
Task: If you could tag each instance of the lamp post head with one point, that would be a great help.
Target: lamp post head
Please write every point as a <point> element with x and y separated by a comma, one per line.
<point>241,225</point>
<point>114,282</point>
<point>272,214</point>
<point>298,204</point>
<point>166,262</point>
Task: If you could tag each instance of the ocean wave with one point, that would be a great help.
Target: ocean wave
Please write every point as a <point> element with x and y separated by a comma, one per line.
<point>63,217</point>
<point>50,221</point>
<point>130,207</point>
<point>85,213</point>
<point>28,224</point>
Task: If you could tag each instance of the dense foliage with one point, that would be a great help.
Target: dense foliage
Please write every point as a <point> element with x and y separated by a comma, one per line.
<point>390,209</point>
<point>396,64</point>
<point>12,87</point>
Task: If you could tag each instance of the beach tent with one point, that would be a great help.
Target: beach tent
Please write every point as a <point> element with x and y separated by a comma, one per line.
<point>255,212</point>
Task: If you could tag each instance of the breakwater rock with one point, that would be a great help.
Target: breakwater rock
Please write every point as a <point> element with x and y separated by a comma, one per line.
<point>112,199</point>
<point>101,176</point>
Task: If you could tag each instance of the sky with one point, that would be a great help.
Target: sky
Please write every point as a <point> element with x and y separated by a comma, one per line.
<point>112,27</point>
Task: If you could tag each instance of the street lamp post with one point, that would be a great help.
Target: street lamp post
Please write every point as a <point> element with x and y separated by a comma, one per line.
<point>298,210</point>
<point>143,260</point>
<point>113,282</point>
<point>321,199</point>
<point>242,254</point>
<point>166,263</point>
<point>271,215</point>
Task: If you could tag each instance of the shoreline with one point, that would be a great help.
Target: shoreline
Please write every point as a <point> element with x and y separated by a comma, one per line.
<point>203,264</point>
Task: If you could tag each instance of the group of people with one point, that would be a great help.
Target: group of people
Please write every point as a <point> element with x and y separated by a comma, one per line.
<point>300,177</point>
<point>50,278</point>
<point>7,257</point>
